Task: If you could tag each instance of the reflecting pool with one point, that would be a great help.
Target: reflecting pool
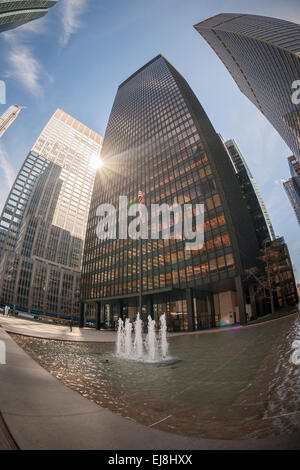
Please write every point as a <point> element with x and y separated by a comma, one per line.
<point>225,385</point>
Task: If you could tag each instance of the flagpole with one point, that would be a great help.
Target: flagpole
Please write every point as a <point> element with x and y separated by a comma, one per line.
<point>142,202</point>
<point>140,276</point>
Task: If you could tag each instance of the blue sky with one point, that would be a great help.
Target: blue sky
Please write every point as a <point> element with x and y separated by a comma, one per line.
<point>77,55</point>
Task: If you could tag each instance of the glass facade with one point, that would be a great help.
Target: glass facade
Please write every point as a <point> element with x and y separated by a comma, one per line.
<point>292,186</point>
<point>43,223</point>
<point>76,149</point>
<point>279,270</point>
<point>263,56</point>
<point>160,141</point>
<point>255,203</point>
<point>14,13</point>
<point>18,199</point>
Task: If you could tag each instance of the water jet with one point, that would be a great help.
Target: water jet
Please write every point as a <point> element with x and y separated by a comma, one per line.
<point>153,348</point>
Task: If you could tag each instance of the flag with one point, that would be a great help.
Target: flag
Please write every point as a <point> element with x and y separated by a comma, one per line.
<point>141,197</point>
<point>142,203</point>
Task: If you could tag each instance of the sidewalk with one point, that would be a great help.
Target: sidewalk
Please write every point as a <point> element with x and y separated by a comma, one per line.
<point>42,413</point>
<point>42,330</point>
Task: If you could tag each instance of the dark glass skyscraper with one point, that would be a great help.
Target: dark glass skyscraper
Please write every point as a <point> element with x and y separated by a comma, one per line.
<point>255,203</point>
<point>14,13</point>
<point>263,56</point>
<point>292,186</point>
<point>160,141</point>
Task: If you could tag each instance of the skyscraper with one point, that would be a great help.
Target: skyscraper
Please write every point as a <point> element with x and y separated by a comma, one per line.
<point>160,141</point>
<point>14,13</point>
<point>76,148</point>
<point>8,118</point>
<point>292,186</point>
<point>262,56</point>
<point>43,223</point>
<point>252,195</point>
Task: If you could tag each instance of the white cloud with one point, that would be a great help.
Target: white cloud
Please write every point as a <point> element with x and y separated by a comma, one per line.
<point>71,12</point>
<point>25,68</point>
<point>22,64</point>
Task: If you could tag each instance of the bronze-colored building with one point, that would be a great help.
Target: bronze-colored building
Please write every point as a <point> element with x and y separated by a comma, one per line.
<point>160,141</point>
<point>279,276</point>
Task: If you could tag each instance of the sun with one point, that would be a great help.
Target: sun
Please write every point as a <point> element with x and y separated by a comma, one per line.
<point>96,163</point>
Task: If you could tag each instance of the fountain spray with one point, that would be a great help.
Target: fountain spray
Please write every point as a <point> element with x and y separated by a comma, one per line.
<point>154,348</point>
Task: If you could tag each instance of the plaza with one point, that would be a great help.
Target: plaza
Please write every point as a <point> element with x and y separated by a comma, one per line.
<point>236,400</point>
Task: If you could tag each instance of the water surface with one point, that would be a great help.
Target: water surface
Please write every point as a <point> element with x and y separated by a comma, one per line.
<point>225,385</point>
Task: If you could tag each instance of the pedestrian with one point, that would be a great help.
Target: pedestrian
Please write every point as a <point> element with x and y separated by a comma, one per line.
<point>71,324</point>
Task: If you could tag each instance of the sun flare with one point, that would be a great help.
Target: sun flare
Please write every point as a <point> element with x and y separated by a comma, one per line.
<point>96,163</point>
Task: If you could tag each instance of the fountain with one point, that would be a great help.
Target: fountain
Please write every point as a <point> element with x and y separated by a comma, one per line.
<point>154,348</point>
<point>138,345</point>
<point>128,336</point>
<point>163,336</point>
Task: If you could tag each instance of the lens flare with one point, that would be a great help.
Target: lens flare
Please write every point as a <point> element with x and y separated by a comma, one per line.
<point>96,163</point>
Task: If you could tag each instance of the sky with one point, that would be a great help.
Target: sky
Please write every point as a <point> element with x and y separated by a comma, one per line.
<point>77,55</point>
